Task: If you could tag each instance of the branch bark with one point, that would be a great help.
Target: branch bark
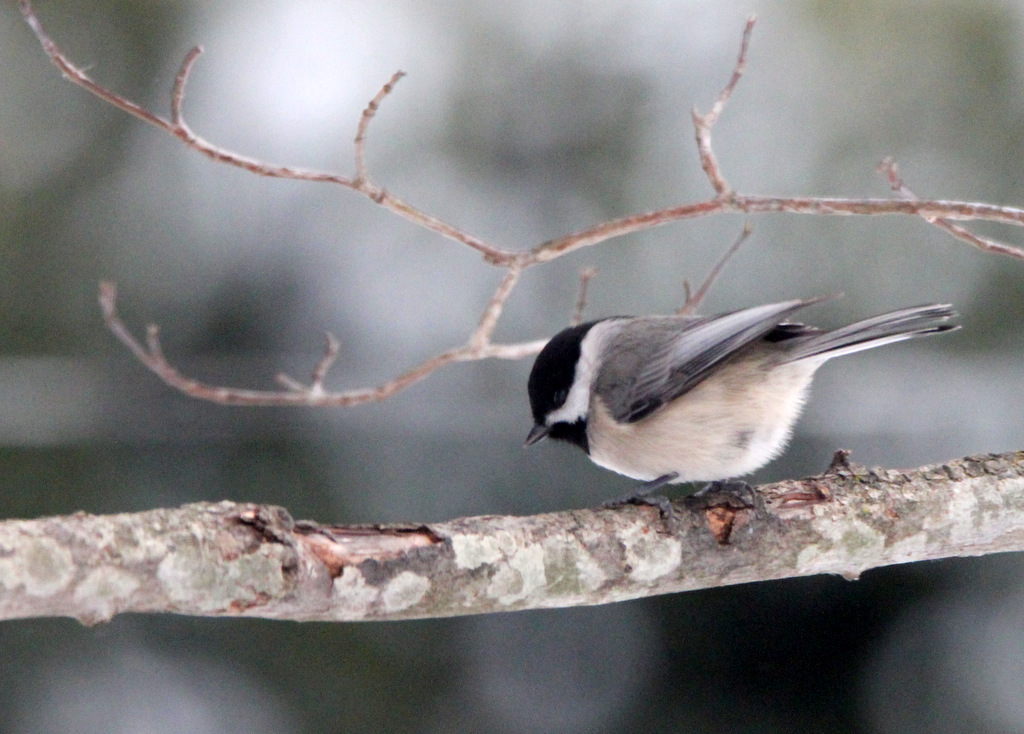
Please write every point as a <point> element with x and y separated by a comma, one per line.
<point>230,559</point>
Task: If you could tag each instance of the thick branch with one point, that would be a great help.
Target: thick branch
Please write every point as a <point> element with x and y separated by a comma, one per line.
<point>231,559</point>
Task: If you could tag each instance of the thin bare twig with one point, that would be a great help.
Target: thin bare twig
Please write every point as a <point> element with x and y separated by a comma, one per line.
<point>581,300</point>
<point>479,345</point>
<point>693,301</point>
<point>481,336</point>
<point>316,385</point>
<point>326,362</point>
<point>563,245</point>
<point>702,124</point>
<point>750,204</point>
<point>553,248</point>
<point>180,130</point>
<point>889,167</point>
<point>364,124</point>
<point>79,77</point>
<point>178,92</point>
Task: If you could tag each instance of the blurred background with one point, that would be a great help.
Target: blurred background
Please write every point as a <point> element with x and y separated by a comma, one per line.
<point>519,121</point>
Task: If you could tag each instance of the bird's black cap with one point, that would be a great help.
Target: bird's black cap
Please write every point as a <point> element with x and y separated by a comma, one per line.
<point>550,381</point>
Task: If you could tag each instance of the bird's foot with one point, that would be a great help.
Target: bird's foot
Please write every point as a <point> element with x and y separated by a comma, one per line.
<point>734,495</point>
<point>644,494</point>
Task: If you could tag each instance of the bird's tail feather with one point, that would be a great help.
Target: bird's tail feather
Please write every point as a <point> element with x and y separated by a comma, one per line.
<point>886,328</point>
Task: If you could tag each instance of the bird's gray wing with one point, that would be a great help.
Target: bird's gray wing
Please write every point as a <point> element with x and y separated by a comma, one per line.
<point>654,361</point>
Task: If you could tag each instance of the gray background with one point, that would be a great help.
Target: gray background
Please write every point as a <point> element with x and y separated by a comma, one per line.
<point>519,121</point>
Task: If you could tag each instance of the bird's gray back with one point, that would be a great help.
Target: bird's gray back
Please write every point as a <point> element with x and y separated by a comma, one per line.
<point>653,360</point>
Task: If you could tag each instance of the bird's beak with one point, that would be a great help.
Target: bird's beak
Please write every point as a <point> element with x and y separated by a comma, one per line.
<point>536,434</point>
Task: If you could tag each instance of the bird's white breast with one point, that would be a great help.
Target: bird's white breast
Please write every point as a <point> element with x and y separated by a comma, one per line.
<point>727,426</point>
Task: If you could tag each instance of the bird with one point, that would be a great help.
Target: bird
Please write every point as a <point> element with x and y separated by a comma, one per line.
<point>690,398</point>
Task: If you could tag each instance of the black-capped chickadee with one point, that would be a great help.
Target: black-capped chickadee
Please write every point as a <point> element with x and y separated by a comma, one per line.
<point>670,399</point>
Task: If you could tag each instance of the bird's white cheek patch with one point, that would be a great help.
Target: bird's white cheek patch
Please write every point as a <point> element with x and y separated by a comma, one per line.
<point>577,404</point>
<point>573,409</point>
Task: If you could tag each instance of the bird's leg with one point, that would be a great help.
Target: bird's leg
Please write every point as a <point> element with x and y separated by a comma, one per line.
<point>735,495</point>
<point>643,494</point>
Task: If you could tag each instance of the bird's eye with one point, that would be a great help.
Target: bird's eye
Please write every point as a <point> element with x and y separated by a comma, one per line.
<point>560,396</point>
